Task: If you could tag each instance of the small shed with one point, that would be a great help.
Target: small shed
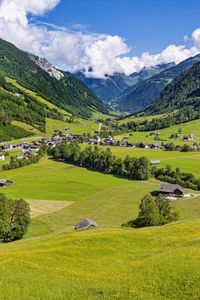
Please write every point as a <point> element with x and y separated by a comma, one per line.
<point>87,223</point>
<point>155,162</point>
<point>4,182</point>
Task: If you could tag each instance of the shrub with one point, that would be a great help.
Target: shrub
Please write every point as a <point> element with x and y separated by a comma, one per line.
<point>153,212</point>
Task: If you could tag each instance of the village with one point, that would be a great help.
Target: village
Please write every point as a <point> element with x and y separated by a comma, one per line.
<point>31,149</point>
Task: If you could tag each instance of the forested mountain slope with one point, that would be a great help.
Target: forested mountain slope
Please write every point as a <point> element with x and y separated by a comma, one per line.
<point>19,106</point>
<point>182,92</point>
<point>144,93</point>
<point>68,93</point>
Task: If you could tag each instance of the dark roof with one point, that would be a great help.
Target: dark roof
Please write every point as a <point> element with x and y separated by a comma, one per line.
<point>86,224</point>
<point>4,181</point>
<point>170,188</point>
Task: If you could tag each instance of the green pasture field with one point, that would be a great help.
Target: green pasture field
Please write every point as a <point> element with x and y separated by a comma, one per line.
<point>152,263</point>
<point>192,127</point>
<point>80,126</point>
<point>53,262</point>
<point>140,118</point>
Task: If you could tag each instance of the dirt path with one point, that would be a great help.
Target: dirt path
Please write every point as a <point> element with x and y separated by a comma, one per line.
<point>41,207</point>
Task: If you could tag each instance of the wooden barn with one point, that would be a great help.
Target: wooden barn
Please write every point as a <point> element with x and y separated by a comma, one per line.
<point>87,223</point>
<point>171,190</point>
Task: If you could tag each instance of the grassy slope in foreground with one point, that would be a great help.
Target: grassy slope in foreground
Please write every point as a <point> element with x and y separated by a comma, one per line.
<point>152,263</point>
<point>111,263</point>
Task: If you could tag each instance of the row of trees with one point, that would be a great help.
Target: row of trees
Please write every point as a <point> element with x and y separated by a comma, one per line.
<point>134,168</point>
<point>153,212</point>
<point>102,160</point>
<point>181,148</point>
<point>167,174</point>
<point>14,219</point>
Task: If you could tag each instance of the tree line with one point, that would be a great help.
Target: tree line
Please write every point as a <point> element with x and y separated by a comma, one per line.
<point>18,105</point>
<point>98,159</point>
<point>102,160</point>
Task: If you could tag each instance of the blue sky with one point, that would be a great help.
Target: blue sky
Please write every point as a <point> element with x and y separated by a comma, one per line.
<point>147,25</point>
<point>106,35</point>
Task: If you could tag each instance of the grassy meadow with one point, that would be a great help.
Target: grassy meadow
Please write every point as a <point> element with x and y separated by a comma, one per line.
<point>192,127</point>
<point>53,262</point>
<point>153,263</point>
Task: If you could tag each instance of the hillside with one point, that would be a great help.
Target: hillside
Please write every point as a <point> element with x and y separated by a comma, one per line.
<point>17,105</point>
<point>83,262</point>
<point>110,87</point>
<point>182,92</point>
<point>142,94</point>
<point>67,92</point>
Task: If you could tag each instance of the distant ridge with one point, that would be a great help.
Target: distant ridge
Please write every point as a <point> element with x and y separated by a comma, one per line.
<point>110,87</point>
<point>142,94</point>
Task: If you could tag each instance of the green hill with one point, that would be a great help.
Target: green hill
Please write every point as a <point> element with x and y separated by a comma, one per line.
<point>68,92</point>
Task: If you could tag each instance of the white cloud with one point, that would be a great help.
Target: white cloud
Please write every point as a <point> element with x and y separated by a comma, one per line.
<point>75,50</point>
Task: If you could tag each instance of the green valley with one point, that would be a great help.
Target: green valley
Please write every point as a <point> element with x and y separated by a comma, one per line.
<point>76,173</point>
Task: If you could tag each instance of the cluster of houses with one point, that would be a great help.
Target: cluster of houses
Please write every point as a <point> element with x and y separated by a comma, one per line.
<point>58,137</point>
<point>27,149</point>
<point>109,141</point>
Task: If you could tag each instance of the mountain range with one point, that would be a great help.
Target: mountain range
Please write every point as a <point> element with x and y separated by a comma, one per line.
<point>137,91</point>
<point>111,87</point>
<point>142,94</point>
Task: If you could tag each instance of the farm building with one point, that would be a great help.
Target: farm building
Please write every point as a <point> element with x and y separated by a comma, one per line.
<point>189,137</point>
<point>2,156</point>
<point>143,145</point>
<point>4,182</point>
<point>85,224</point>
<point>171,190</point>
<point>155,162</point>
